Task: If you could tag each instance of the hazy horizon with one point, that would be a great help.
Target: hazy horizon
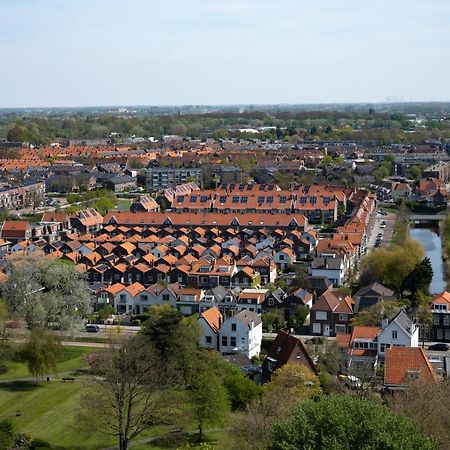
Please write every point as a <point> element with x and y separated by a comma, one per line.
<point>110,53</point>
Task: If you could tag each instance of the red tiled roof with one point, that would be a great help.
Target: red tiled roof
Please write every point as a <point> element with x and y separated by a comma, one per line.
<point>405,365</point>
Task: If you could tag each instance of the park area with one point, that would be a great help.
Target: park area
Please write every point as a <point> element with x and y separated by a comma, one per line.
<point>48,411</point>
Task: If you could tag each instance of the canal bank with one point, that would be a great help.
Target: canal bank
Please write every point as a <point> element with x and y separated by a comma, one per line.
<point>431,242</point>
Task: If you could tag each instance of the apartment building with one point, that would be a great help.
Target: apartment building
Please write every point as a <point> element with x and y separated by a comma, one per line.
<point>158,178</point>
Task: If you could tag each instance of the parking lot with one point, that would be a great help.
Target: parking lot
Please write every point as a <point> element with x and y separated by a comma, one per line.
<point>381,233</point>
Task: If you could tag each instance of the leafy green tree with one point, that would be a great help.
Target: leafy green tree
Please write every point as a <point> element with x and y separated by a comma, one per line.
<point>391,265</point>
<point>46,293</point>
<point>419,279</point>
<point>295,380</point>
<point>301,313</point>
<point>208,399</point>
<point>273,320</point>
<point>241,390</point>
<point>339,422</point>
<point>41,352</point>
<point>105,313</point>
<point>174,337</point>
<point>373,315</point>
<point>415,172</point>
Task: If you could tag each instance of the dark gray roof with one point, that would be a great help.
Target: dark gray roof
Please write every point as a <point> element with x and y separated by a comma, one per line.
<point>326,263</point>
<point>248,316</point>
<point>376,288</point>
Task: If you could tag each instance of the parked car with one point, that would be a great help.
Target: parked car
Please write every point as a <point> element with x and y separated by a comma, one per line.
<point>439,347</point>
<point>91,328</point>
<point>383,226</point>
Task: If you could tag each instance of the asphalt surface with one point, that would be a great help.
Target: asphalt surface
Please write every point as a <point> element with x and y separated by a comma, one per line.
<point>386,232</point>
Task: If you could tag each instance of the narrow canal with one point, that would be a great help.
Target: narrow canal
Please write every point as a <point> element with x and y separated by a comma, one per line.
<point>431,242</point>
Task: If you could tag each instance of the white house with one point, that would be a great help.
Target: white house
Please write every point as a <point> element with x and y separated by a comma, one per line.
<point>401,331</point>
<point>210,321</point>
<point>125,299</point>
<point>157,294</point>
<point>331,268</point>
<point>241,333</point>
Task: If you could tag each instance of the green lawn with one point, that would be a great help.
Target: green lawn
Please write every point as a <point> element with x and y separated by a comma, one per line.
<point>123,204</point>
<point>48,412</point>
<point>72,359</point>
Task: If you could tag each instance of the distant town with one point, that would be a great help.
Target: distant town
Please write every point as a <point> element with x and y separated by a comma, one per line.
<point>284,242</point>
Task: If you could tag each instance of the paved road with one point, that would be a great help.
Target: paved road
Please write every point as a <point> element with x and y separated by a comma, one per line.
<point>377,228</point>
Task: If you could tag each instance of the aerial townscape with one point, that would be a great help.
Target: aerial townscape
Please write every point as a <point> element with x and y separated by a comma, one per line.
<point>258,260</point>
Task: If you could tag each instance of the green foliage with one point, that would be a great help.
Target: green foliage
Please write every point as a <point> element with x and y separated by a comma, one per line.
<point>390,266</point>
<point>208,399</point>
<point>401,226</point>
<point>373,315</point>
<point>241,390</point>
<point>301,313</point>
<point>294,380</point>
<point>105,312</point>
<point>175,339</point>
<point>7,435</point>
<point>273,320</point>
<point>46,293</point>
<point>41,352</point>
<point>419,279</point>
<point>343,422</point>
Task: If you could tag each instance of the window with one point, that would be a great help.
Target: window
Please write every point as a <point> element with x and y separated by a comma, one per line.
<point>394,334</point>
<point>233,341</point>
<point>271,301</point>
<point>321,315</point>
<point>166,297</point>
<point>446,321</point>
<point>224,341</point>
<point>233,327</point>
<point>436,320</point>
<point>384,347</point>
<point>342,317</point>
<point>223,199</point>
<point>260,199</point>
<point>235,199</point>
<point>269,199</point>
<point>281,257</point>
<point>208,339</point>
<point>283,199</point>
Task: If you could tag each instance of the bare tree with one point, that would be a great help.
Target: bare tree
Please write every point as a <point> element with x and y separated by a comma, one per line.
<point>126,393</point>
<point>422,402</point>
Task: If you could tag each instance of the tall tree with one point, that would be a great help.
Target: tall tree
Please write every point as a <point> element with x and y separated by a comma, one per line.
<point>125,394</point>
<point>46,293</point>
<point>419,279</point>
<point>208,398</point>
<point>41,352</point>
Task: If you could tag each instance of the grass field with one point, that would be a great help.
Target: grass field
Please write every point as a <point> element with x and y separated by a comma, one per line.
<point>71,359</point>
<point>48,411</point>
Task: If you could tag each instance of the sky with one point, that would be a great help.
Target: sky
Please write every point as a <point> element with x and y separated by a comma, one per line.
<point>178,52</point>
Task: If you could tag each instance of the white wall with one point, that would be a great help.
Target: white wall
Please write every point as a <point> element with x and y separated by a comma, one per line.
<point>207,332</point>
<point>248,341</point>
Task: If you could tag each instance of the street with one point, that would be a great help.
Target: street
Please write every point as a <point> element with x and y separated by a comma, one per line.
<point>385,231</point>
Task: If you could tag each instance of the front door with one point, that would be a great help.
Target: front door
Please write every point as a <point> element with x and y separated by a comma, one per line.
<point>326,330</point>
